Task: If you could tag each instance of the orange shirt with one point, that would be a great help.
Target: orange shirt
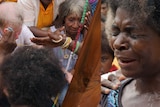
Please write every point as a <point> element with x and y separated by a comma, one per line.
<point>11,0</point>
<point>45,17</point>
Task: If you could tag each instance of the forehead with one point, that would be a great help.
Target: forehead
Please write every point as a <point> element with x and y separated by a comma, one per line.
<point>122,14</point>
<point>104,5</point>
<point>73,15</point>
<point>123,17</point>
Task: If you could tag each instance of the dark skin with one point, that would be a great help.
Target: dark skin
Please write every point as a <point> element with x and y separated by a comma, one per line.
<point>46,3</point>
<point>136,47</point>
<point>36,31</point>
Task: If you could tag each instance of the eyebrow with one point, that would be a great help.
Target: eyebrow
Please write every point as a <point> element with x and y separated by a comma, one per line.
<point>129,28</point>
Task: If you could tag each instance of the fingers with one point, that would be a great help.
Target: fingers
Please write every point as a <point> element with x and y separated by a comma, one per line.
<point>41,40</point>
<point>105,90</point>
<point>122,77</point>
<point>109,84</point>
<point>9,36</point>
<point>57,35</point>
<point>88,18</point>
<point>114,79</point>
<point>68,76</point>
<point>61,29</point>
<point>7,42</point>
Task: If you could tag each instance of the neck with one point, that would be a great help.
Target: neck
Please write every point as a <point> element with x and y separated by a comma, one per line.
<point>45,5</point>
<point>148,84</point>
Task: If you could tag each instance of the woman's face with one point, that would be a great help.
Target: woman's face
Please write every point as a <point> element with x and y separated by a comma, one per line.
<point>136,46</point>
<point>72,23</point>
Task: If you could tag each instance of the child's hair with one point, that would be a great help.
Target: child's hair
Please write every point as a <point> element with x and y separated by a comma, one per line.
<point>31,76</point>
<point>105,48</point>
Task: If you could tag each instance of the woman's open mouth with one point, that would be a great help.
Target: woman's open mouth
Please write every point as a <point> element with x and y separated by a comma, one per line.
<point>126,62</point>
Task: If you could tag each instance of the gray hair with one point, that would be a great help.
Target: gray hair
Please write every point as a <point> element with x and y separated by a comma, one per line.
<point>10,14</point>
<point>69,7</point>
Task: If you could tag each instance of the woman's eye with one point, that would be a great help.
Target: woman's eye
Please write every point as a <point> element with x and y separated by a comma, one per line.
<point>115,30</point>
<point>136,36</point>
<point>71,20</point>
<point>115,33</point>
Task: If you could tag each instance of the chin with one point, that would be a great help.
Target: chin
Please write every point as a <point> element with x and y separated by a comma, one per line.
<point>130,73</point>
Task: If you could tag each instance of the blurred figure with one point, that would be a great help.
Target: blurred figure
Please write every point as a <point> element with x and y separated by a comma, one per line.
<point>104,7</point>
<point>10,27</point>
<point>24,34</point>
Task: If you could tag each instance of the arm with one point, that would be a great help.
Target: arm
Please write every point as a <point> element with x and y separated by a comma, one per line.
<point>38,32</point>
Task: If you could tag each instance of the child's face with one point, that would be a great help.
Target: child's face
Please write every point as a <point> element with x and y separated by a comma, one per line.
<point>106,62</point>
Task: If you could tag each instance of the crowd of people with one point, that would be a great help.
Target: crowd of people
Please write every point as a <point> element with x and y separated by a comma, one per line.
<point>40,41</point>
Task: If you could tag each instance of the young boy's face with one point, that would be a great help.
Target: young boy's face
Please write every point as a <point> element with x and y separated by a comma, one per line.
<point>106,62</point>
<point>104,9</point>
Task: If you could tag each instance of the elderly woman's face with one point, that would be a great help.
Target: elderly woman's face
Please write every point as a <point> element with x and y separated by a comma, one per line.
<point>136,46</point>
<point>72,23</point>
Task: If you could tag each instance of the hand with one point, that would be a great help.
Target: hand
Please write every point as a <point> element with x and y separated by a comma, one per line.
<point>111,81</point>
<point>68,76</point>
<point>7,42</point>
<point>88,19</point>
<point>47,41</point>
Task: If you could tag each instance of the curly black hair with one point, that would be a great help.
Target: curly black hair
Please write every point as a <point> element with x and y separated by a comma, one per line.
<point>145,11</point>
<point>32,76</point>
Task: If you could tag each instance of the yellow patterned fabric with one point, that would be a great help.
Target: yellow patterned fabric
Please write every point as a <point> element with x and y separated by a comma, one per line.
<point>45,17</point>
<point>115,62</point>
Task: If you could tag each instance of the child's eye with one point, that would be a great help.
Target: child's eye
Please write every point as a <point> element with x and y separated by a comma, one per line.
<point>104,59</point>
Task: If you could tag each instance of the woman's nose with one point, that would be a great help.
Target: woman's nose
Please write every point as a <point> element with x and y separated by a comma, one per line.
<point>76,24</point>
<point>121,42</point>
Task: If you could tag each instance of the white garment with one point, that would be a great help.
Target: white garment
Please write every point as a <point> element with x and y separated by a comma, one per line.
<point>24,37</point>
<point>31,10</point>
